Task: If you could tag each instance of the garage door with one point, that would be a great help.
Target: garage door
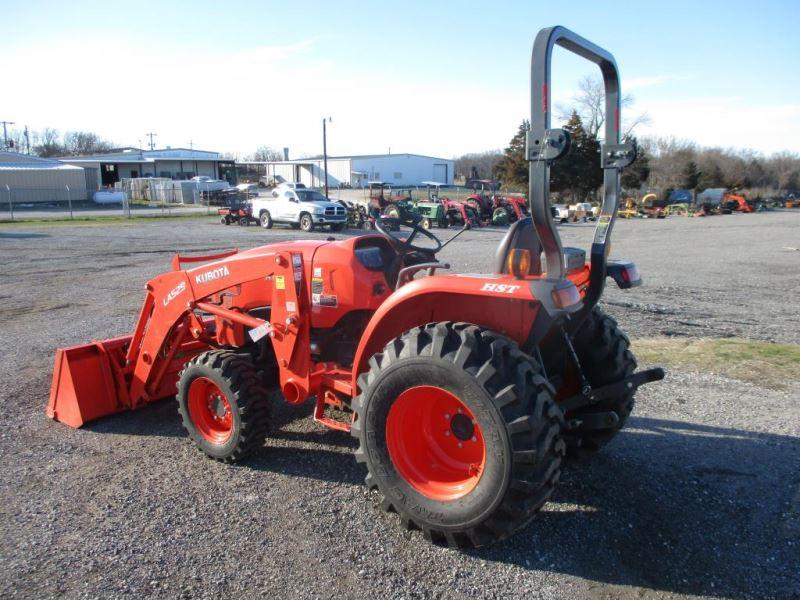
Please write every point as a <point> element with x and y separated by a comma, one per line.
<point>440,172</point>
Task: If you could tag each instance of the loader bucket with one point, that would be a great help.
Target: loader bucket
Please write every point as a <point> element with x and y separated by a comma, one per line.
<point>84,385</point>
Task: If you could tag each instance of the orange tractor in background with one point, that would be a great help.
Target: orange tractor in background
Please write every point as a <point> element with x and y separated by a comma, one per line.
<point>465,391</point>
<point>736,203</point>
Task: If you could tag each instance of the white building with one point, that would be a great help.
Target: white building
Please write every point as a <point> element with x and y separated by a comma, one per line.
<point>356,171</point>
<point>172,163</point>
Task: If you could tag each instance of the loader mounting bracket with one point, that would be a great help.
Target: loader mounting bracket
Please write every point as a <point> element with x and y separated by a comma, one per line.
<point>547,145</point>
<point>618,156</point>
<point>622,386</point>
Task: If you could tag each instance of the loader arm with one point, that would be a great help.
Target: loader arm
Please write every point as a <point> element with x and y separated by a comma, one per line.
<point>183,314</point>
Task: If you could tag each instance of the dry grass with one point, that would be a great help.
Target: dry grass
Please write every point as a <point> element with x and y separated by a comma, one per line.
<point>762,363</point>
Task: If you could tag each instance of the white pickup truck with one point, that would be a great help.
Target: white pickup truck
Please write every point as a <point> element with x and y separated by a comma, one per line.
<point>300,208</point>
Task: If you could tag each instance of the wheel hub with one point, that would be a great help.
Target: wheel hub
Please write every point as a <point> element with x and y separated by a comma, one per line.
<point>462,427</point>
<point>210,410</point>
<point>435,443</point>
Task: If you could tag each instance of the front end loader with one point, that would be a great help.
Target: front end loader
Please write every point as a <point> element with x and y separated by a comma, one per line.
<point>465,392</point>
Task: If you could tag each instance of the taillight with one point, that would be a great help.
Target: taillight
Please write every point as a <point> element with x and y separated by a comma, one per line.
<point>624,273</point>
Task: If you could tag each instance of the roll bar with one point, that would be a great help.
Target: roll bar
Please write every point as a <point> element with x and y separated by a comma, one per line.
<point>544,145</point>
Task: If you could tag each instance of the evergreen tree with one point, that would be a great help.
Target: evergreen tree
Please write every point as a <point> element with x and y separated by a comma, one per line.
<point>691,176</point>
<point>579,172</point>
<point>512,169</point>
<point>635,175</point>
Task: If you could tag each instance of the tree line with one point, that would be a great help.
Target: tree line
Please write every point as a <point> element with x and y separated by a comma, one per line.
<point>663,164</point>
<point>50,142</point>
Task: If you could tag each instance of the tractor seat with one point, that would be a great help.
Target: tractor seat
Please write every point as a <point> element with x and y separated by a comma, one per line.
<point>522,234</point>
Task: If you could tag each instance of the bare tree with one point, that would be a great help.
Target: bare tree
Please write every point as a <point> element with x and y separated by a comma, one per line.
<point>477,165</point>
<point>266,154</point>
<point>79,143</point>
<point>589,103</point>
<point>47,142</point>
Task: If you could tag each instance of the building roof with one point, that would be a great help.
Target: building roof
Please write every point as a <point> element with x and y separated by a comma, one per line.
<point>395,154</point>
<point>313,159</point>
<point>136,155</point>
<point>15,161</point>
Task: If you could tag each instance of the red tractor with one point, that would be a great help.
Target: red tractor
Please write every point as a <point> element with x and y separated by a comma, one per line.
<point>492,206</point>
<point>465,392</point>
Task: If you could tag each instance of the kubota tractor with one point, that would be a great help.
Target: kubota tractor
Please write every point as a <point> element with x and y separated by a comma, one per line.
<point>465,392</point>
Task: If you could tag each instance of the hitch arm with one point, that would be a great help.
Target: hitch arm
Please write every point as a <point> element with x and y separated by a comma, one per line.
<point>629,384</point>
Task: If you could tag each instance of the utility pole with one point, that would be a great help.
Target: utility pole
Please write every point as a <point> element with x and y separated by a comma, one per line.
<point>151,136</point>
<point>191,144</point>
<point>325,151</point>
<point>27,141</point>
<point>5,134</point>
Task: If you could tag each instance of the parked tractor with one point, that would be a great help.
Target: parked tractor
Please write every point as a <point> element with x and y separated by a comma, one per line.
<point>384,201</point>
<point>493,207</point>
<point>452,211</point>
<point>237,209</point>
<point>465,392</point>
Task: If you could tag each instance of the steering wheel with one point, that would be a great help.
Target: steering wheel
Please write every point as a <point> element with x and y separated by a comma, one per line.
<point>403,245</point>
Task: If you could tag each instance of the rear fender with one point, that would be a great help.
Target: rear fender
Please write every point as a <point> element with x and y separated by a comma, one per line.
<point>497,302</point>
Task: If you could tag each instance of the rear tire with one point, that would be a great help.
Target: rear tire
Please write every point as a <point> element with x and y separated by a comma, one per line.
<point>266,219</point>
<point>604,353</point>
<point>493,385</point>
<point>223,405</point>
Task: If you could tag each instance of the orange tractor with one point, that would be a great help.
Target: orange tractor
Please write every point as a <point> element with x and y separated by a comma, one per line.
<point>465,392</point>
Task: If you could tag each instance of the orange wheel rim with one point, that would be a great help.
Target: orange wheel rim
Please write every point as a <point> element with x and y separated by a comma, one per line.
<point>210,410</point>
<point>435,443</point>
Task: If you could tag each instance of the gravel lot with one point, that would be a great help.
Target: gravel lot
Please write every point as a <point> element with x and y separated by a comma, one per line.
<point>700,495</point>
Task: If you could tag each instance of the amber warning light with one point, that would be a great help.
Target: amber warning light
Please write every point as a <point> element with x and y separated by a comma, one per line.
<point>519,262</point>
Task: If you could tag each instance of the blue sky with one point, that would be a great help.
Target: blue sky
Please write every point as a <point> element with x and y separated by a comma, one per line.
<point>426,77</point>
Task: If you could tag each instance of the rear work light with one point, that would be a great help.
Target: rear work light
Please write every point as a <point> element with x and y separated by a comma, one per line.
<point>519,262</point>
<point>566,295</point>
<point>624,273</point>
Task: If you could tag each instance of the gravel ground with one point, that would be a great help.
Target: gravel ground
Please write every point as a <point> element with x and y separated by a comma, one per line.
<point>700,495</point>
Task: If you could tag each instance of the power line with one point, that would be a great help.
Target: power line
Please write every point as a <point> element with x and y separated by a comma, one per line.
<point>151,136</point>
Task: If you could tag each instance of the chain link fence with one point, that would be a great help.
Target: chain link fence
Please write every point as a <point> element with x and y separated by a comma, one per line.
<point>40,203</point>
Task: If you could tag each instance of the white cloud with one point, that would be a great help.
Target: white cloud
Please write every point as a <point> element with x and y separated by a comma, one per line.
<point>726,122</point>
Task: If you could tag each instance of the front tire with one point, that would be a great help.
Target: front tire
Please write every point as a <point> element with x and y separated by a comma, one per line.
<point>306,222</point>
<point>459,432</point>
<point>223,405</point>
<point>604,354</point>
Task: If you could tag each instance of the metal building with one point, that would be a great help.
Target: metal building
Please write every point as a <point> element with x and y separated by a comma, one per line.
<point>355,171</point>
<point>169,163</point>
<point>30,179</point>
